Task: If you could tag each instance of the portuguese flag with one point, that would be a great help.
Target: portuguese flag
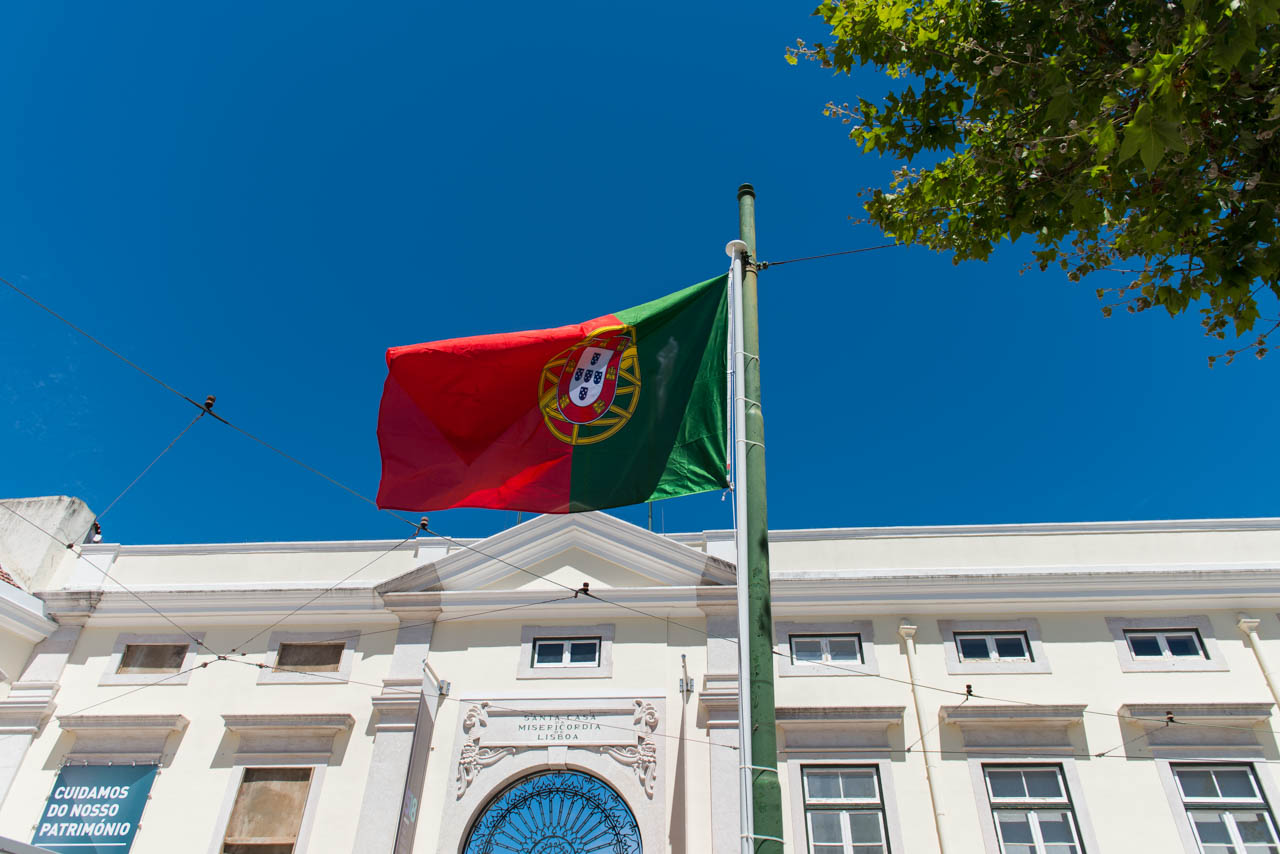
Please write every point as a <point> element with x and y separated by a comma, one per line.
<point>625,408</point>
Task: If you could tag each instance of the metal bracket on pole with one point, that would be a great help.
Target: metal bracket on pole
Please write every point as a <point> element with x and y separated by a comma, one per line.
<point>761,836</point>
<point>759,768</point>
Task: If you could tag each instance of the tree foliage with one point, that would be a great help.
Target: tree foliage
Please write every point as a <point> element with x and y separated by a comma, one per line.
<point>1118,134</point>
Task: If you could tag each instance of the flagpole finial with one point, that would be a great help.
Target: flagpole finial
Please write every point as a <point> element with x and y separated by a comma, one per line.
<point>746,190</point>
<point>734,248</point>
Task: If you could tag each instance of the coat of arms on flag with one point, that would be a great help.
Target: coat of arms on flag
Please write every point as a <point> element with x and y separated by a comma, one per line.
<point>590,391</point>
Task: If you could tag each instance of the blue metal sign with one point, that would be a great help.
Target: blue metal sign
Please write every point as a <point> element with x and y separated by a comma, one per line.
<point>94,809</point>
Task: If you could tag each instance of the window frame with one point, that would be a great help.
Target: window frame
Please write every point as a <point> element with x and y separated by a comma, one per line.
<point>566,653</point>
<point>993,652</point>
<point>182,676</point>
<point>1031,806</point>
<point>269,675</point>
<point>602,632</point>
<point>284,645</point>
<point>1162,639</point>
<point>236,778</point>
<point>977,761</point>
<point>1259,803</point>
<point>786,666</point>
<point>825,640</point>
<point>1037,660</point>
<point>252,841</point>
<point>1211,658</point>
<point>844,806</point>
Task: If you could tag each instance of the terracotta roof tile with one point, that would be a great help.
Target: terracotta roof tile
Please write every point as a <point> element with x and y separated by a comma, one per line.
<point>7,578</point>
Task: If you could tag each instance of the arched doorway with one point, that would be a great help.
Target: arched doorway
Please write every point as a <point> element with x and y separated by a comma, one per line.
<point>555,812</point>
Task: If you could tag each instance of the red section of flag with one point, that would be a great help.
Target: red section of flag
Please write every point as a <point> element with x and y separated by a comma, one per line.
<point>460,423</point>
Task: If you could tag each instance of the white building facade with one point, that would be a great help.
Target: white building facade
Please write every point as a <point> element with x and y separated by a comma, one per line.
<point>1031,689</point>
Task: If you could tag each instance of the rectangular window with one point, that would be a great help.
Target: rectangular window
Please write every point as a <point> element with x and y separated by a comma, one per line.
<point>1168,644</point>
<point>1032,810</point>
<point>838,649</point>
<point>152,658</point>
<point>993,646</point>
<point>310,657</point>
<point>1227,810</point>
<point>566,652</point>
<point>267,815</point>
<point>844,810</point>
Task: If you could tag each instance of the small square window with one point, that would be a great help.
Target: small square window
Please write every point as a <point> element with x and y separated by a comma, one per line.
<point>548,653</point>
<point>973,648</point>
<point>566,652</point>
<point>1166,644</point>
<point>991,646</point>
<point>152,658</point>
<point>817,649</point>
<point>310,657</point>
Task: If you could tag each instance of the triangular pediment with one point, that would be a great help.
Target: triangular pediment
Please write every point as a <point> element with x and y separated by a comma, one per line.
<point>569,549</point>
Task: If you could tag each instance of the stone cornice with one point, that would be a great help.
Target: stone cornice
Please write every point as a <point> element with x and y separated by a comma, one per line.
<point>290,724</point>
<point>133,724</point>
<point>687,601</point>
<point>71,606</point>
<point>696,538</point>
<point>840,715</point>
<point>1240,714</point>
<point>229,604</point>
<point>27,707</point>
<point>794,593</point>
<point>396,708</point>
<point>1007,715</point>
<point>300,547</point>
<point>1034,529</point>
<point>957,590</point>
<point>24,615</point>
<point>654,556</point>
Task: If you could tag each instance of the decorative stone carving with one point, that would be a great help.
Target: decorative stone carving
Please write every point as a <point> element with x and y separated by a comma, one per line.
<point>643,755</point>
<point>601,730</point>
<point>473,757</point>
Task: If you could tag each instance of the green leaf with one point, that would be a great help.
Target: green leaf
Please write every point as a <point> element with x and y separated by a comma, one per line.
<point>1152,151</point>
<point>1134,137</point>
<point>1105,140</point>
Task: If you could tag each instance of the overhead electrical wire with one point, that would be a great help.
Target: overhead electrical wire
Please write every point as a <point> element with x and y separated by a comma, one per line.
<point>764,265</point>
<point>112,699</point>
<point>207,409</point>
<point>324,592</point>
<point>488,704</point>
<point>98,518</point>
<point>80,554</point>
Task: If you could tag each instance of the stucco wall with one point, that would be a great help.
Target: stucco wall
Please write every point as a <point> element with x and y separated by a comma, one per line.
<point>1120,799</point>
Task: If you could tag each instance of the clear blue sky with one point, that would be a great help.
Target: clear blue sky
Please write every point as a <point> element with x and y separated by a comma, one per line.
<point>255,200</point>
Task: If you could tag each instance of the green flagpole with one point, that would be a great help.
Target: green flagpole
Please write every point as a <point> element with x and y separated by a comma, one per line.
<point>766,793</point>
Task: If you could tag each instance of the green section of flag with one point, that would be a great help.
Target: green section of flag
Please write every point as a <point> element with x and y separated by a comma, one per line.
<point>675,442</point>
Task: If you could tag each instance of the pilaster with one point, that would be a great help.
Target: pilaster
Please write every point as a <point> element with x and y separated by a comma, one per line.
<point>30,702</point>
<point>395,713</point>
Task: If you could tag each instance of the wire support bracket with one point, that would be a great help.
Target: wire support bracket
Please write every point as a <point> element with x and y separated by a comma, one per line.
<point>758,768</point>
<point>761,836</point>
